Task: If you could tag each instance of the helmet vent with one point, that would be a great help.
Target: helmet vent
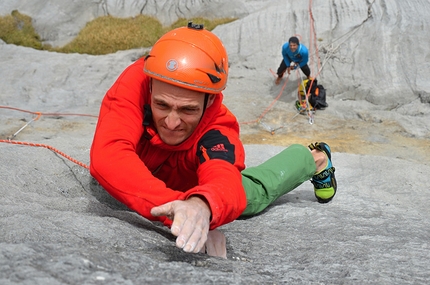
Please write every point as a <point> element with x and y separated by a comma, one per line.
<point>195,26</point>
<point>217,68</point>
<point>213,78</point>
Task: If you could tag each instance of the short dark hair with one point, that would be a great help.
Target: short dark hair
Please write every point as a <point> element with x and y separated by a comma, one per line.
<point>294,40</point>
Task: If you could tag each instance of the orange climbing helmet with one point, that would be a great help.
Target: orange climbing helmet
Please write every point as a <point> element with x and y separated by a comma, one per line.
<point>189,57</point>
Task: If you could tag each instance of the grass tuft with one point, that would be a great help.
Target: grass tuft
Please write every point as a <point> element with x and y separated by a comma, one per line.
<point>17,29</point>
<point>109,34</point>
<point>103,35</point>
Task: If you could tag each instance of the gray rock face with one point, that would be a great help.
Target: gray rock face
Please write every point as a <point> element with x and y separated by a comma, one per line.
<point>58,226</point>
<point>57,82</point>
<point>370,61</point>
<point>58,22</point>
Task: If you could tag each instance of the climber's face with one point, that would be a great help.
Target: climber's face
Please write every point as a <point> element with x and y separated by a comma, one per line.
<point>293,47</point>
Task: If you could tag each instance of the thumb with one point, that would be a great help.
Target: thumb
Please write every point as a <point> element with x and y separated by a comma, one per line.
<point>162,210</point>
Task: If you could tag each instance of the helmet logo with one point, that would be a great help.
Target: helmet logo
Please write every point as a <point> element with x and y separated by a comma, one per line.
<point>172,65</point>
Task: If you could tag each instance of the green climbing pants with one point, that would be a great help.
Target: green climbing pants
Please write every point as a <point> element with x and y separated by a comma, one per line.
<point>275,177</point>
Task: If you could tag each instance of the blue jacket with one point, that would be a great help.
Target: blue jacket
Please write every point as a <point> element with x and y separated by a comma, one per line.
<point>300,57</point>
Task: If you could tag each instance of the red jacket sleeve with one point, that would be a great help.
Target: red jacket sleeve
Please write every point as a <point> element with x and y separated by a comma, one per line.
<point>221,159</point>
<point>114,161</point>
<point>221,184</point>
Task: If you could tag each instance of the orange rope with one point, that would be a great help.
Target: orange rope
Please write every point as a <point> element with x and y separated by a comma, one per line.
<point>48,147</point>
<point>313,38</point>
<point>39,114</point>
<point>312,44</point>
<point>47,114</point>
<point>271,104</point>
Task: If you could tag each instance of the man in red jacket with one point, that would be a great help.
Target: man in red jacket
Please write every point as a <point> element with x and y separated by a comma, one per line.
<point>167,147</point>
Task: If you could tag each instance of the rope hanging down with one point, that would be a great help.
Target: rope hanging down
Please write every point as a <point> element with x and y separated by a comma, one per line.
<point>39,114</point>
<point>48,147</point>
<point>312,42</point>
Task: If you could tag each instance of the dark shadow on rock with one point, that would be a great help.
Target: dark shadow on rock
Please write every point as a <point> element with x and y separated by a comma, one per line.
<point>110,207</point>
<point>129,217</point>
<point>98,192</point>
<point>173,253</point>
<point>290,88</point>
<point>296,196</point>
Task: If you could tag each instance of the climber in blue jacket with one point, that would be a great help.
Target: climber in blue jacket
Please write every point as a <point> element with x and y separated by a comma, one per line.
<point>294,55</point>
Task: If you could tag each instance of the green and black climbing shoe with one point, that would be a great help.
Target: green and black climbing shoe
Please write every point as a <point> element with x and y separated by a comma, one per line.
<point>324,182</point>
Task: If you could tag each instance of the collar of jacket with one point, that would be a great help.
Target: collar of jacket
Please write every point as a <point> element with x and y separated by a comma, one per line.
<point>298,50</point>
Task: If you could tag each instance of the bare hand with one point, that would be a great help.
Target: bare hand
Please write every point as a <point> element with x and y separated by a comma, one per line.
<point>216,244</point>
<point>190,222</point>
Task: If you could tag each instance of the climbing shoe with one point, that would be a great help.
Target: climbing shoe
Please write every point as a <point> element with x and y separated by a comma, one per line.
<point>302,107</point>
<point>324,182</point>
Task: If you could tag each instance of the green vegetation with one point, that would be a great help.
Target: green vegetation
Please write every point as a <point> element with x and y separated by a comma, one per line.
<point>109,34</point>
<point>17,29</point>
<point>101,36</point>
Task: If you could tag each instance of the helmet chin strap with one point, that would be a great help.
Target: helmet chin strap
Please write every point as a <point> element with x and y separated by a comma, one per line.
<point>205,103</point>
